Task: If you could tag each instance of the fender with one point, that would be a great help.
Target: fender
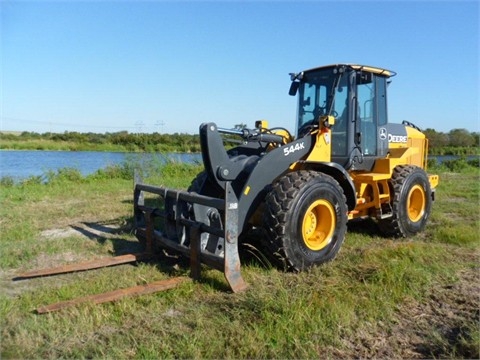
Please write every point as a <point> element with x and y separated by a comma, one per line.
<point>339,174</point>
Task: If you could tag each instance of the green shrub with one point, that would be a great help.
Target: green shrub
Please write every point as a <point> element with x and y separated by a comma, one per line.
<point>7,181</point>
<point>432,163</point>
<point>34,179</point>
<point>456,165</point>
<point>122,171</point>
<point>474,162</point>
<point>63,174</point>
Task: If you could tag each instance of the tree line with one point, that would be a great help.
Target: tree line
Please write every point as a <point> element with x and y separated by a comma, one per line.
<point>122,139</point>
<point>455,142</point>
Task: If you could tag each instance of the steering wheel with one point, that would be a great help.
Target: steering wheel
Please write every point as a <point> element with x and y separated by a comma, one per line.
<point>305,128</point>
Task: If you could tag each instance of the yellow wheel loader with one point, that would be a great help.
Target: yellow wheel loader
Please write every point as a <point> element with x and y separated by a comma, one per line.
<point>346,161</point>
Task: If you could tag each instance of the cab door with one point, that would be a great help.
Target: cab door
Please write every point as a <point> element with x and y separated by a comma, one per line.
<point>371,117</point>
<point>366,114</point>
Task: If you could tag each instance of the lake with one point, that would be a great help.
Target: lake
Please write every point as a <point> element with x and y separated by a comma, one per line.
<point>21,164</point>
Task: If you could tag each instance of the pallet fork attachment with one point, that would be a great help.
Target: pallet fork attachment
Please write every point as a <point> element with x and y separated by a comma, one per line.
<point>228,261</point>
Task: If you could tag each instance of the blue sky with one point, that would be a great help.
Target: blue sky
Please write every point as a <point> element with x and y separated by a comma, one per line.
<point>168,66</point>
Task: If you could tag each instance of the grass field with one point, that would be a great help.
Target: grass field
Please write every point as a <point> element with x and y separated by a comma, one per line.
<point>381,297</point>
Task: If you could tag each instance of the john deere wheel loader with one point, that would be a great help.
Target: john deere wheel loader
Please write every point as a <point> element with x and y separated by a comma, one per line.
<point>345,161</point>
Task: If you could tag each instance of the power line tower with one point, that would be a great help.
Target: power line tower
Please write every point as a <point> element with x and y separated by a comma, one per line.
<point>160,124</point>
<point>139,125</point>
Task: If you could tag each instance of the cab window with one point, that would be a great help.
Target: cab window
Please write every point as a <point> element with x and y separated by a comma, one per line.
<point>313,98</point>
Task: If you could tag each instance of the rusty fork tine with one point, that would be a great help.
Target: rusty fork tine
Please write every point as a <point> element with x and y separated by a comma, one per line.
<point>83,266</point>
<point>114,295</point>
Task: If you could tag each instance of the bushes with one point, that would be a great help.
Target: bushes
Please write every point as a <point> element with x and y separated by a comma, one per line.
<point>460,165</point>
<point>7,181</point>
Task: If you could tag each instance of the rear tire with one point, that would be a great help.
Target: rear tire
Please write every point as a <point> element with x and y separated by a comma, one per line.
<point>305,219</point>
<point>411,204</point>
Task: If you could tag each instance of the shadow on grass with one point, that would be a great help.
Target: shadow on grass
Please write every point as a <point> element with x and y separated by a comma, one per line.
<point>101,233</point>
<point>364,226</point>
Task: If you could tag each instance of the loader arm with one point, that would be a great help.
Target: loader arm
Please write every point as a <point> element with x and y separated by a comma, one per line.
<point>265,166</point>
<point>267,169</point>
<point>221,165</point>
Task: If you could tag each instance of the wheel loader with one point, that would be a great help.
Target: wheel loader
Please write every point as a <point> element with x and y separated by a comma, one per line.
<point>345,161</point>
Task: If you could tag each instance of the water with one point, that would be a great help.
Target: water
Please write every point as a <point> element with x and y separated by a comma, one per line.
<point>23,164</point>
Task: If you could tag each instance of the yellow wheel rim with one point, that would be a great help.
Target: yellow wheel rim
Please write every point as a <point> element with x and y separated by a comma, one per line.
<point>318,225</point>
<point>416,203</point>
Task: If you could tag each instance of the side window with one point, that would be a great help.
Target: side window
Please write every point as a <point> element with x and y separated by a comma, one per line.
<point>307,103</point>
<point>340,106</point>
<point>366,95</point>
<point>381,99</point>
<point>366,110</point>
<point>339,130</point>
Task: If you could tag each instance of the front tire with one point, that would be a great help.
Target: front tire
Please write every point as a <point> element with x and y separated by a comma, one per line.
<point>305,219</point>
<point>411,204</point>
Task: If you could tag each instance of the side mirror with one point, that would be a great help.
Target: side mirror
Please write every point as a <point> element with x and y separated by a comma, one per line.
<point>293,88</point>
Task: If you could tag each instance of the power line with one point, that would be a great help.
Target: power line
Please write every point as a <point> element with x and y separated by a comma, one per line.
<point>50,123</point>
<point>139,126</point>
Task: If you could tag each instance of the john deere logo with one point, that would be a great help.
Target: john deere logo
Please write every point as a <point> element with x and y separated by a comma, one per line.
<point>383,134</point>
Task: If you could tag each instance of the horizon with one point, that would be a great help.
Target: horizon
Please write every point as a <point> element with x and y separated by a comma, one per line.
<point>20,132</point>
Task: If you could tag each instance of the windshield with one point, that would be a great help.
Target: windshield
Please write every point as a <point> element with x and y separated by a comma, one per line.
<point>321,92</point>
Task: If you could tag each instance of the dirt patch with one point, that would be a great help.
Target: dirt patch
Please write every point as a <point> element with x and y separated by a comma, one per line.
<point>49,260</point>
<point>58,233</point>
<point>87,229</point>
<point>439,326</point>
<point>443,323</point>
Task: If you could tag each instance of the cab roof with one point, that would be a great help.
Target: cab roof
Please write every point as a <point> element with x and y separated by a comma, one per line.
<point>367,68</point>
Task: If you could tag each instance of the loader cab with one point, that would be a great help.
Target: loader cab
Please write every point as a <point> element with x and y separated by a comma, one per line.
<point>356,96</point>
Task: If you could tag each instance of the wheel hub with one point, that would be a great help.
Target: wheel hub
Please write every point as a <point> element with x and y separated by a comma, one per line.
<point>416,203</point>
<point>318,225</point>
